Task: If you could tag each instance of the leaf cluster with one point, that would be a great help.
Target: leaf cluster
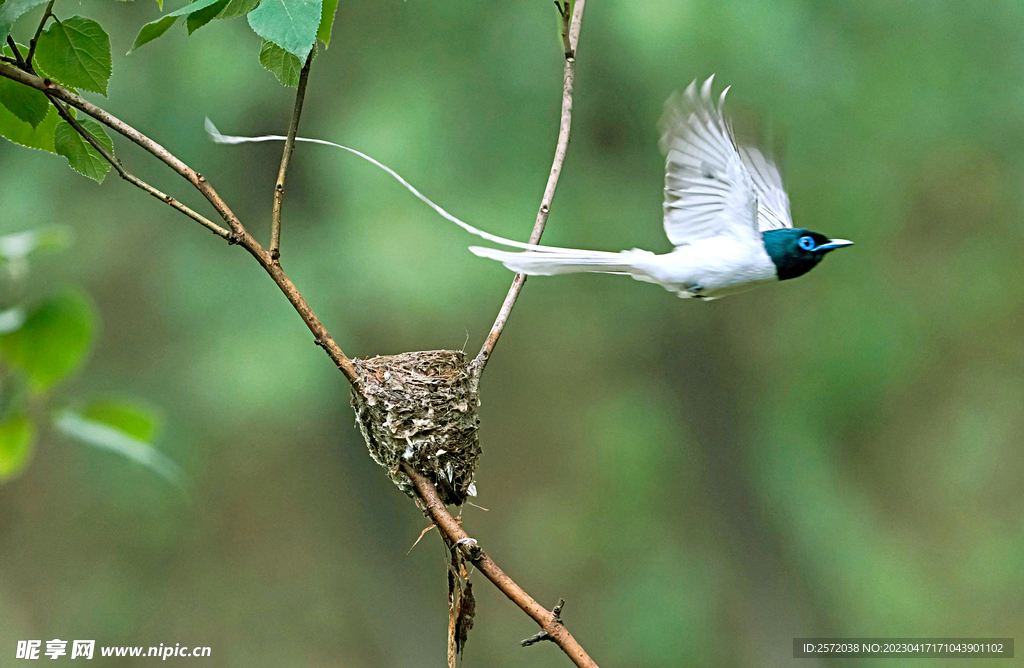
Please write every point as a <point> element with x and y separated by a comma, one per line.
<point>76,52</point>
<point>289,28</point>
<point>42,344</point>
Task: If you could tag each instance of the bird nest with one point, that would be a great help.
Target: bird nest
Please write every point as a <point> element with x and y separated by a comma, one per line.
<point>419,408</point>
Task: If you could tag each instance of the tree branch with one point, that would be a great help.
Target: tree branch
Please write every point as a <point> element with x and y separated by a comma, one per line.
<point>571,36</point>
<point>116,124</point>
<point>565,11</point>
<point>136,181</point>
<point>239,234</point>
<point>549,621</point>
<point>16,51</point>
<point>35,38</point>
<point>289,145</point>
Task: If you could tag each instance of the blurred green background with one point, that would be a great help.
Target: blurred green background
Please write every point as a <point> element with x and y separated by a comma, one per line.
<point>834,456</point>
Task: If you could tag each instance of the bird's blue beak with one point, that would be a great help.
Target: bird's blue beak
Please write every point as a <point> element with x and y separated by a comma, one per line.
<point>834,244</point>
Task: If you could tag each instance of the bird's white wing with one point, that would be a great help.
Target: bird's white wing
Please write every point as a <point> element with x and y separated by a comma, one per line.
<point>708,191</point>
<point>772,200</point>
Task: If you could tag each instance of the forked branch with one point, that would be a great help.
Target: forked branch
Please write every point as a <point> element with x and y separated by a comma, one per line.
<point>238,233</point>
<point>134,180</point>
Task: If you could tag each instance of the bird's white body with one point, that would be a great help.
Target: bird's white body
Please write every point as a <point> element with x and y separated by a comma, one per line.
<point>717,266</point>
<point>709,268</point>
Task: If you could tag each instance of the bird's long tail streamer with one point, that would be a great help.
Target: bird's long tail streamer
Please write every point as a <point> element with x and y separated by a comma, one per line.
<point>219,138</point>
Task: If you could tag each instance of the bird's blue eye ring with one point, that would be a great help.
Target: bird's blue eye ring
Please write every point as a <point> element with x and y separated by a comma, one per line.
<point>807,243</point>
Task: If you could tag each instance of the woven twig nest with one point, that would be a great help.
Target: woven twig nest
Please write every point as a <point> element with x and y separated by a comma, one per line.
<point>418,407</point>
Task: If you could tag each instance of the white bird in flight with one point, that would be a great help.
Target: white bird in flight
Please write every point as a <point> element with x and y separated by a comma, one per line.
<point>725,211</point>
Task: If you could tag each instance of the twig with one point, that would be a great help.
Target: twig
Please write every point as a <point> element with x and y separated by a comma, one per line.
<point>35,38</point>
<point>571,35</point>
<point>116,124</point>
<point>289,145</point>
<point>541,636</point>
<point>239,234</point>
<point>549,622</point>
<point>136,181</point>
<point>565,11</point>
<point>17,52</point>
<point>114,162</point>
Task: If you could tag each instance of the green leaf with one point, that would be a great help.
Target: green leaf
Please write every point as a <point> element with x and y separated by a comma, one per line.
<point>20,245</point>
<point>114,439</point>
<point>280,63</point>
<point>291,24</point>
<point>223,9</point>
<point>18,131</point>
<point>323,33</point>
<point>81,155</point>
<point>198,19</point>
<point>53,341</point>
<point>28,104</point>
<point>154,29</point>
<point>134,420</point>
<point>17,436</point>
<point>11,11</point>
<point>238,8</point>
<point>76,52</point>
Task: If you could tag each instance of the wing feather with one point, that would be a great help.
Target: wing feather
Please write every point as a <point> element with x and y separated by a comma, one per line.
<point>708,189</point>
<point>772,200</point>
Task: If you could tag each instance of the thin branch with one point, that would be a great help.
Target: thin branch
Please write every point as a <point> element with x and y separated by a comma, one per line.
<point>17,52</point>
<point>289,145</point>
<point>320,335</point>
<point>571,35</point>
<point>541,636</point>
<point>239,234</point>
<point>114,162</point>
<point>565,11</point>
<point>39,30</point>
<point>549,622</point>
<point>116,124</point>
<point>136,181</point>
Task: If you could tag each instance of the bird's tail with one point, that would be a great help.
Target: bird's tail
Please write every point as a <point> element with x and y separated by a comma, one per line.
<point>546,261</point>
<point>537,260</point>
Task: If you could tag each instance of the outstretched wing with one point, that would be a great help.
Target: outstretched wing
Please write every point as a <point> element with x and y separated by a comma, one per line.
<point>772,200</point>
<point>708,191</point>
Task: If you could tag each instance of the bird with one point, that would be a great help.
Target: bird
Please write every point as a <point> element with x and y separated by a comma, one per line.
<point>726,213</point>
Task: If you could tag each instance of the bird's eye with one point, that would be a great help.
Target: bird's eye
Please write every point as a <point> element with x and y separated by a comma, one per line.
<point>807,243</point>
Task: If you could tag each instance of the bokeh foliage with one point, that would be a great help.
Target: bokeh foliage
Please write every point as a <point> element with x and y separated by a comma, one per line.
<point>44,342</point>
<point>839,455</point>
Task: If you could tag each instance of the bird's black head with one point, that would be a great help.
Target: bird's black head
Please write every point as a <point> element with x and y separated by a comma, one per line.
<point>796,251</point>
